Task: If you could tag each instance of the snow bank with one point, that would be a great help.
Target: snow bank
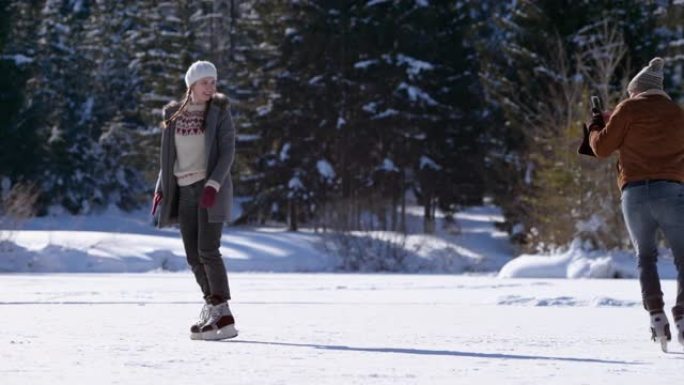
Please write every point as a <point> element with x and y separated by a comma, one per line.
<point>116,242</point>
<point>577,262</point>
<point>113,252</point>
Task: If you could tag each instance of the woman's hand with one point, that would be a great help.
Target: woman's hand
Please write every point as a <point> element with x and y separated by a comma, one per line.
<point>208,197</point>
<point>158,196</point>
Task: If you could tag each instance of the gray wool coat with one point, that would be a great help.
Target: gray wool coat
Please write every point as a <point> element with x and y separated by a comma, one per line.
<point>219,139</point>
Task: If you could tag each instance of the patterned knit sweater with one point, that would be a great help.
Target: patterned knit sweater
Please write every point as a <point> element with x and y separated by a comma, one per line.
<point>190,166</point>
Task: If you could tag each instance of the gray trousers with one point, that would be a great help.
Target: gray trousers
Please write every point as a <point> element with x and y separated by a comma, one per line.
<point>647,208</point>
<point>202,241</point>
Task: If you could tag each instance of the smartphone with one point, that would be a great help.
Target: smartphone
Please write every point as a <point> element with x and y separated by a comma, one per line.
<point>596,104</point>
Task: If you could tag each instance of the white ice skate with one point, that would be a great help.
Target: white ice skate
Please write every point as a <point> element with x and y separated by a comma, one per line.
<point>680,330</point>
<point>660,330</point>
<point>196,328</point>
<point>220,325</point>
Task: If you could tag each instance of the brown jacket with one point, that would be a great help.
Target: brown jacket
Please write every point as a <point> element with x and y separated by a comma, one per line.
<point>648,132</point>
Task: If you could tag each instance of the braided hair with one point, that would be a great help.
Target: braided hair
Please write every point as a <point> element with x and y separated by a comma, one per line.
<point>182,107</point>
<point>180,110</point>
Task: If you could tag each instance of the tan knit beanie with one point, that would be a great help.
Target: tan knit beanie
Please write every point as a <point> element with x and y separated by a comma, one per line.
<point>649,78</point>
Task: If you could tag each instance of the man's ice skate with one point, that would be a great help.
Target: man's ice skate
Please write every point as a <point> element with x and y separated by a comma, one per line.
<point>660,330</point>
<point>196,328</point>
<point>679,323</point>
<point>220,325</point>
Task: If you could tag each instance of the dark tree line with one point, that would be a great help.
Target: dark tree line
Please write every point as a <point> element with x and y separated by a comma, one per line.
<point>347,111</point>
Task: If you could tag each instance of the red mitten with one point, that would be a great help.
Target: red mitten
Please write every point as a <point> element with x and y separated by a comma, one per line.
<point>155,201</point>
<point>208,197</point>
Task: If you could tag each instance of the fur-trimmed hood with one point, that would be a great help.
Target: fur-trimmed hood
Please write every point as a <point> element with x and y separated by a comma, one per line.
<point>219,101</point>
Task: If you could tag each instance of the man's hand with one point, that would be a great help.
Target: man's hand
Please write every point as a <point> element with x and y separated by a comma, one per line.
<point>598,120</point>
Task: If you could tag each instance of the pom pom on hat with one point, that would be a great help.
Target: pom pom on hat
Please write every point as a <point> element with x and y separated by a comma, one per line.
<point>649,78</point>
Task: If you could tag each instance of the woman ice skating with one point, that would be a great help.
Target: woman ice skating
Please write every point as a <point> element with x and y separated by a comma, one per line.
<point>647,130</point>
<point>195,190</point>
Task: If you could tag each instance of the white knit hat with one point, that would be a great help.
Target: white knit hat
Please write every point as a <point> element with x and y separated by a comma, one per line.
<point>650,77</point>
<point>198,70</point>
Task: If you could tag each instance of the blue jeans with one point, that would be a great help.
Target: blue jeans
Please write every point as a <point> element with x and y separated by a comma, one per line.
<point>647,208</point>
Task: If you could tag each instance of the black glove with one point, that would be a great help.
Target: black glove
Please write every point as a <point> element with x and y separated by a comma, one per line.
<point>584,147</point>
<point>597,122</point>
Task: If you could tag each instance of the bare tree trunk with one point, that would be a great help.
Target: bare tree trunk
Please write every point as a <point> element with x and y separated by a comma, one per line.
<point>428,216</point>
<point>292,215</point>
<point>357,212</point>
<point>601,57</point>
<point>394,206</point>
<point>382,212</point>
<point>402,223</point>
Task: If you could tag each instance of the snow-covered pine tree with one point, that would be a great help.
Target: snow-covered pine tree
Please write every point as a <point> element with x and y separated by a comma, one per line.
<point>163,46</point>
<point>19,133</point>
<point>60,89</point>
<point>390,106</point>
<point>123,134</point>
<point>304,111</point>
<point>451,155</point>
<point>423,100</point>
<point>254,67</point>
<point>355,92</point>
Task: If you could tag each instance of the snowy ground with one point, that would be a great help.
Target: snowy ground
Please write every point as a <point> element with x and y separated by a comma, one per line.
<point>330,329</point>
<point>319,328</point>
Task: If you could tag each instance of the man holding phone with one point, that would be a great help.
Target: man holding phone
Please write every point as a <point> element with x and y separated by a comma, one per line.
<point>647,130</point>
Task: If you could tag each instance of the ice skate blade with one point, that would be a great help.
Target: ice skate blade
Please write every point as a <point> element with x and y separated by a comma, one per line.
<point>224,333</point>
<point>663,344</point>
